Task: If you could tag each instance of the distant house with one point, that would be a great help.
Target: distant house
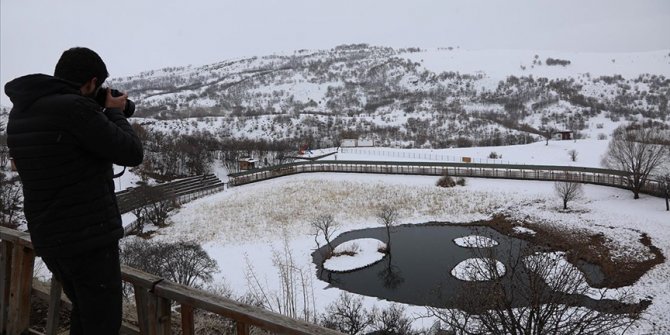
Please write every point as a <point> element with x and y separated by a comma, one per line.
<point>366,143</point>
<point>247,163</point>
<point>563,135</point>
<point>348,143</point>
<point>352,142</point>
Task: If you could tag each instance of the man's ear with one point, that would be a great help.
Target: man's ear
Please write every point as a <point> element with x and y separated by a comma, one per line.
<point>88,88</point>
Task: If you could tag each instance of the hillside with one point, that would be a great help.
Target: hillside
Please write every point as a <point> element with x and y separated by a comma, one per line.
<point>405,97</point>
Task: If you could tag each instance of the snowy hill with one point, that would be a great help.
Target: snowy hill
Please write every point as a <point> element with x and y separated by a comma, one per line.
<point>411,97</point>
<point>405,97</point>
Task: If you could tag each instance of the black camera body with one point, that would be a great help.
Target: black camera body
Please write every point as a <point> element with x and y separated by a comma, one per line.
<point>101,97</point>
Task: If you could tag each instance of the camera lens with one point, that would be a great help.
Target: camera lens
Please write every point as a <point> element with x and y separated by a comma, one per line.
<point>101,96</point>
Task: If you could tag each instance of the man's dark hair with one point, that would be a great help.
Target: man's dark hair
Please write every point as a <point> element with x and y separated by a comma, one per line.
<point>79,65</point>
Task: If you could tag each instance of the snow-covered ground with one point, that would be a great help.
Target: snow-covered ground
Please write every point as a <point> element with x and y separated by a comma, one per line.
<point>497,64</point>
<point>589,153</point>
<point>245,228</point>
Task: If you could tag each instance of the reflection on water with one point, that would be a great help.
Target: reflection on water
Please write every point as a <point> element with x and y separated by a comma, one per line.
<point>418,271</point>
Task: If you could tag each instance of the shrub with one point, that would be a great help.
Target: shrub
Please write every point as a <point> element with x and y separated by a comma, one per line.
<point>460,181</point>
<point>561,62</point>
<point>573,155</point>
<point>446,181</point>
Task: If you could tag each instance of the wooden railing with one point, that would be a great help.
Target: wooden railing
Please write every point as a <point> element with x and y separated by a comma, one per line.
<point>605,177</point>
<point>182,190</point>
<point>154,297</point>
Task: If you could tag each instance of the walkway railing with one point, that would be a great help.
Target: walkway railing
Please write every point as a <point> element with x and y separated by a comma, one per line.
<point>596,176</point>
<point>154,297</point>
<point>182,190</point>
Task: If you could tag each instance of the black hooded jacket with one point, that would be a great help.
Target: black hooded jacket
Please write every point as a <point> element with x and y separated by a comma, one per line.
<point>63,145</point>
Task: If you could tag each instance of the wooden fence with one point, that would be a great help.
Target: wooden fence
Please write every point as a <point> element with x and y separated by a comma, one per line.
<point>596,176</point>
<point>154,297</point>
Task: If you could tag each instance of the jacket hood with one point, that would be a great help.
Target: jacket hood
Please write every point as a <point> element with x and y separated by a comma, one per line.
<point>25,90</point>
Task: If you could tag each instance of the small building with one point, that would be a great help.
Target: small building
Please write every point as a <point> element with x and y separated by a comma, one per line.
<point>247,163</point>
<point>348,143</point>
<point>352,142</point>
<point>563,135</point>
<point>366,143</point>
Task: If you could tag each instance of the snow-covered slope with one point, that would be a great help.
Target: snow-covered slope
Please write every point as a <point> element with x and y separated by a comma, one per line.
<point>405,97</point>
<point>409,97</point>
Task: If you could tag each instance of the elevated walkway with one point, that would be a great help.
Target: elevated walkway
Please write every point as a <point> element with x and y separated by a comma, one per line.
<point>605,177</point>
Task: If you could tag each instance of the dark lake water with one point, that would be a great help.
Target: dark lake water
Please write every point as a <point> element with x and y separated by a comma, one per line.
<point>418,269</point>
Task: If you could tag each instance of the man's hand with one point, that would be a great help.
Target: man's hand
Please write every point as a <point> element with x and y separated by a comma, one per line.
<point>115,102</point>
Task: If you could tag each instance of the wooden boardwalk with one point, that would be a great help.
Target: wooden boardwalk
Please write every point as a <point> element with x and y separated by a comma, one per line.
<point>605,177</point>
<point>182,190</point>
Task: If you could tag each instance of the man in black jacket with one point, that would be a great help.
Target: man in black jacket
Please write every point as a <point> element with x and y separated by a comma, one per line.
<point>64,144</point>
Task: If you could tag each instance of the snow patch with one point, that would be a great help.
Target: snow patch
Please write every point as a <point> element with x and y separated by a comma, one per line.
<point>355,254</point>
<point>478,269</point>
<point>523,230</point>
<point>475,241</point>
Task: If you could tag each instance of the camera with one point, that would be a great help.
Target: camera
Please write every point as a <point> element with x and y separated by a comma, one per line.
<point>101,97</point>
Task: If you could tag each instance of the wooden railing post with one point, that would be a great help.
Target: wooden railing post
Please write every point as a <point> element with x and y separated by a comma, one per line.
<point>20,285</point>
<point>187,322</point>
<point>53,315</point>
<point>242,328</point>
<point>5,270</point>
<point>153,312</point>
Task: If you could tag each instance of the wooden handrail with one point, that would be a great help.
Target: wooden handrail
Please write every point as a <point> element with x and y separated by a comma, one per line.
<point>153,296</point>
<point>185,189</point>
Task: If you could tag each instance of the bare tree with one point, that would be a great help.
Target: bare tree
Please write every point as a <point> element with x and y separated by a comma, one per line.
<point>157,203</point>
<point>188,263</point>
<point>295,297</point>
<point>157,212</point>
<point>546,132</point>
<point>4,150</point>
<point>347,315</point>
<point>4,155</point>
<point>568,191</point>
<point>10,200</point>
<point>183,262</point>
<point>573,155</point>
<point>392,320</point>
<point>326,225</point>
<point>140,220</point>
<point>388,216</point>
<point>665,182</point>
<point>637,151</point>
<point>539,294</point>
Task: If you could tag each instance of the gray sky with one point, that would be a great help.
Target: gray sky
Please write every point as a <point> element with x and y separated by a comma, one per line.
<point>134,35</point>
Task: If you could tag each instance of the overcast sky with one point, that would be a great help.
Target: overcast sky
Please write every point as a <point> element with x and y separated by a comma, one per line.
<point>137,35</point>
